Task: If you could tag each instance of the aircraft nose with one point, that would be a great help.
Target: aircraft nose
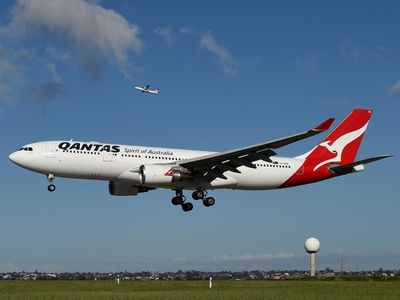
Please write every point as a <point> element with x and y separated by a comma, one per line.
<point>14,157</point>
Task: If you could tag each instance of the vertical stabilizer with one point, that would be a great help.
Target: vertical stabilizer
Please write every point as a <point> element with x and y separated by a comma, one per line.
<point>339,148</point>
<point>342,144</point>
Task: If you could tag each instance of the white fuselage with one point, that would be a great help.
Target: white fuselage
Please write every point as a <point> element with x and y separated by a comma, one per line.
<point>146,90</point>
<point>92,160</point>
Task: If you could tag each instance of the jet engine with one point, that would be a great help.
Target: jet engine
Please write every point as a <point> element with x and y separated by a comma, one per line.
<point>162,174</point>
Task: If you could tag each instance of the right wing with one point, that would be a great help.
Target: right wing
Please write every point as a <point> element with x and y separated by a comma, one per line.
<point>214,165</point>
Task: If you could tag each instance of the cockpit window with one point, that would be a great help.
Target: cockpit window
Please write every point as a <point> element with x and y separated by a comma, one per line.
<point>26,149</point>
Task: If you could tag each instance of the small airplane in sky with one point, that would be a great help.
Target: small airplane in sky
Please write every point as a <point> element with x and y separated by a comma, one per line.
<point>146,89</point>
<point>131,170</point>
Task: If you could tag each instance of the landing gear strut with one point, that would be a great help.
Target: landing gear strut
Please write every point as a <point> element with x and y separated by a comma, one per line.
<point>180,199</point>
<point>201,193</point>
<point>51,187</point>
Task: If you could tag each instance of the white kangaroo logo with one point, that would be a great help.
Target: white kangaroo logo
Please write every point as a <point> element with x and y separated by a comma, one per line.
<point>339,145</point>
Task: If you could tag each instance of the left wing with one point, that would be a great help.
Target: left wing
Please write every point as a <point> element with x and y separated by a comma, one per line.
<point>214,165</point>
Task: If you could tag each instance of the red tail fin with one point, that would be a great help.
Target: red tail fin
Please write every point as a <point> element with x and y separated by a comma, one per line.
<point>340,147</point>
<point>342,143</point>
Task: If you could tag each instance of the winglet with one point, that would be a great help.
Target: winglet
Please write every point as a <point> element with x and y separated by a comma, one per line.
<point>324,125</point>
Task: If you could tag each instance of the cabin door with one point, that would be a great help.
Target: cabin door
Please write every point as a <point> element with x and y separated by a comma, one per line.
<point>50,150</point>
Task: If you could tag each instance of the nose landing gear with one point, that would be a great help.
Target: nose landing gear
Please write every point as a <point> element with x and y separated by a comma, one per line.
<point>51,187</point>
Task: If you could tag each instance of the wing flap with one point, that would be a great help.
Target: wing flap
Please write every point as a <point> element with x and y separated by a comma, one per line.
<point>223,167</point>
<point>211,175</point>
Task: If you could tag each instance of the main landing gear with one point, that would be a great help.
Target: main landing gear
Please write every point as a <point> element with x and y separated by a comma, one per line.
<point>180,199</point>
<point>51,187</point>
<point>199,194</point>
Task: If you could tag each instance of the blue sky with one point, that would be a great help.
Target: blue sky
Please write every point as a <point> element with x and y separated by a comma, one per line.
<point>230,75</point>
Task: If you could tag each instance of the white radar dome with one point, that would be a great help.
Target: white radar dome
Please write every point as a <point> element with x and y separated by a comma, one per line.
<point>312,245</point>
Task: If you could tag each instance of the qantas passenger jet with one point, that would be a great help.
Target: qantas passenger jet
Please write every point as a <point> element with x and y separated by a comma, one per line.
<point>135,169</point>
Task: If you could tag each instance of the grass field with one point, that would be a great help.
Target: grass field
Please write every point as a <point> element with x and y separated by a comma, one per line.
<point>194,290</point>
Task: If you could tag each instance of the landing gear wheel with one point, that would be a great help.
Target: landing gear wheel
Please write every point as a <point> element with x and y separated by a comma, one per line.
<point>209,201</point>
<point>187,206</point>
<point>197,195</point>
<point>200,193</point>
<point>177,200</point>
<point>51,188</point>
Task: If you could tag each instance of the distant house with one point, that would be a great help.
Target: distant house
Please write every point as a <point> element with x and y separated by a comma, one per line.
<point>277,276</point>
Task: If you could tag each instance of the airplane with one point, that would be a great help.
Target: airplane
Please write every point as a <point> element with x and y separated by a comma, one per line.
<point>146,89</point>
<point>131,170</point>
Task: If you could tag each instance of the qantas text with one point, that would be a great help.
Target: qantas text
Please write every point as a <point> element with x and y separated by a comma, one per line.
<point>88,147</point>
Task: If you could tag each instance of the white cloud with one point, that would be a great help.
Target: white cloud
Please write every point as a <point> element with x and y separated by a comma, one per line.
<point>89,32</point>
<point>86,24</point>
<point>348,49</point>
<point>54,73</point>
<point>8,266</point>
<point>362,53</point>
<point>180,259</point>
<point>245,257</point>
<point>386,49</point>
<point>186,30</point>
<point>166,34</point>
<point>396,87</point>
<point>11,71</point>
<point>57,54</point>
<point>50,90</point>
<point>222,56</point>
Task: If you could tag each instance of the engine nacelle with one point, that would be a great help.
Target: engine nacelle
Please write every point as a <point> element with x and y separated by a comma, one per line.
<point>161,174</point>
<point>121,188</point>
<point>132,175</point>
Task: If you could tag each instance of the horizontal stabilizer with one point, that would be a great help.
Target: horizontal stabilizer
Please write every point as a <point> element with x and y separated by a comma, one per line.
<point>342,169</point>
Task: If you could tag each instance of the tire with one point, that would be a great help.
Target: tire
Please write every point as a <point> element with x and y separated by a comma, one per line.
<point>209,201</point>
<point>187,206</point>
<point>177,200</point>
<point>196,195</point>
